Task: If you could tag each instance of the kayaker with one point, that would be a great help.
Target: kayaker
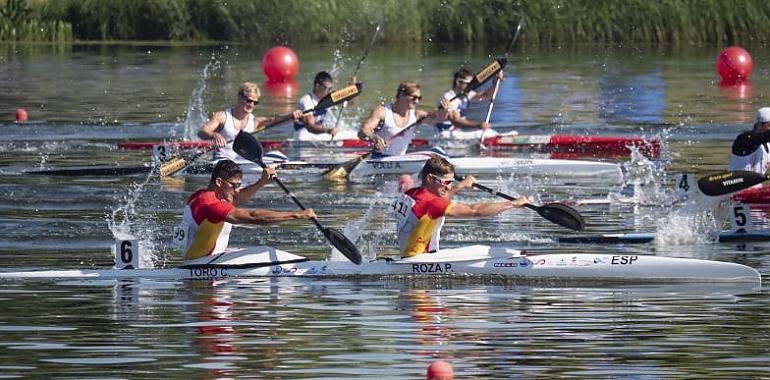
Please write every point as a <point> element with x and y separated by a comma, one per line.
<point>224,125</point>
<point>457,126</point>
<point>420,211</point>
<point>211,211</point>
<point>386,121</point>
<point>751,149</point>
<point>311,126</point>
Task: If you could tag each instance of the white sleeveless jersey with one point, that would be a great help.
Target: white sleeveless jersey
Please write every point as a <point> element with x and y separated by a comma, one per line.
<point>756,161</point>
<point>306,102</point>
<point>229,132</point>
<point>397,145</point>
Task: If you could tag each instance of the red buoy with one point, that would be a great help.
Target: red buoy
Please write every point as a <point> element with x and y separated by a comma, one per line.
<point>734,64</point>
<point>280,64</point>
<point>440,370</point>
<point>21,114</point>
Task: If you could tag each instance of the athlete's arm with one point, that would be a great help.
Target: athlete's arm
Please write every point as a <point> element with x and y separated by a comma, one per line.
<point>245,193</point>
<point>210,130</point>
<point>260,216</point>
<point>747,143</point>
<point>367,129</point>
<point>481,210</point>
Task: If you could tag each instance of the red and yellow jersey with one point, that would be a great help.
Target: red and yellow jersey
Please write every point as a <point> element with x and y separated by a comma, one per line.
<point>207,232</point>
<point>419,218</point>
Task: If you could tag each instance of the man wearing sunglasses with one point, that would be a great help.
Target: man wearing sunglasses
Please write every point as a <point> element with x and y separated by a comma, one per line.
<point>311,127</point>
<point>457,126</point>
<point>385,123</point>
<point>210,212</point>
<point>224,125</point>
<point>420,211</point>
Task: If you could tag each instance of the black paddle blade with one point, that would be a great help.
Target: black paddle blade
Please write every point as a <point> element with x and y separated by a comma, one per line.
<point>562,215</point>
<point>344,94</point>
<point>247,146</point>
<point>343,244</point>
<point>729,182</point>
<point>486,74</point>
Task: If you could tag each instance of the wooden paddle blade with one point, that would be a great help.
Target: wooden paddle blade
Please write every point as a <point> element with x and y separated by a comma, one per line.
<point>341,171</point>
<point>344,94</point>
<point>343,244</point>
<point>171,167</point>
<point>247,146</point>
<point>486,74</point>
<point>729,182</point>
<point>562,215</point>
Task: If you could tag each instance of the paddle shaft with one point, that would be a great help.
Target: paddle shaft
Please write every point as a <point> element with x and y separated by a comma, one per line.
<point>497,80</point>
<point>497,193</point>
<point>358,67</point>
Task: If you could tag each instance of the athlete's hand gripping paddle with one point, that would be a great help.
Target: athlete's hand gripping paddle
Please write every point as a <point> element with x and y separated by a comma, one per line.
<point>557,213</point>
<point>247,146</point>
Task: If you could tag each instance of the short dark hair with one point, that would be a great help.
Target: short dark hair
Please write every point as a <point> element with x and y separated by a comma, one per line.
<point>436,165</point>
<point>460,74</point>
<point>225,169</point>
<point>322,77</point>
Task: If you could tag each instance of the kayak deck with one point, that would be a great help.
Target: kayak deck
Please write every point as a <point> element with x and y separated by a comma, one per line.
<point>477,260</point>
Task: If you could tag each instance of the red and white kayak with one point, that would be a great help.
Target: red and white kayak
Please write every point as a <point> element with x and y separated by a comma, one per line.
<point>597,145</point>
<point>759,194</point>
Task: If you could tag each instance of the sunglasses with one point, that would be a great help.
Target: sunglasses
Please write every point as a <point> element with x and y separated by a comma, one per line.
<point>250,101</point>
<point>464,81</point>
<point>445,182</point>
<point>235,185</point>
<point>324,88</point>
<point>414,97</point>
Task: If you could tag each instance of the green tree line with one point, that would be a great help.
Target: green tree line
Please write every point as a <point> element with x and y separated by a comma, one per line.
<point>289,21</point>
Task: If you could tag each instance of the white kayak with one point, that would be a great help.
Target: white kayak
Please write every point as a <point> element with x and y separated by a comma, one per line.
<point>475,260</point>
<point>413,162</point>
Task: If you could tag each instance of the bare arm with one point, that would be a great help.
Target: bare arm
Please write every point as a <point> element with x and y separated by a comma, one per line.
<point>486,209</point>
<point>367,129</point>
<point>261,216</point>
<point>245,193</point>
<point>210,130</point>
<point>463,123</point>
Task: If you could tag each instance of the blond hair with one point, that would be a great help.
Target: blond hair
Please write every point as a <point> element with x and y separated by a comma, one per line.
<point>407,88</point>
<point>248,88</point>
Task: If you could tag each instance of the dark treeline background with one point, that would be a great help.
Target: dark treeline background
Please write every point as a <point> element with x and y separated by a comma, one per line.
<point>290,21</point>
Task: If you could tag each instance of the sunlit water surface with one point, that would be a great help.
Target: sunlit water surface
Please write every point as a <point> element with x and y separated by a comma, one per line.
<point>83,100</point>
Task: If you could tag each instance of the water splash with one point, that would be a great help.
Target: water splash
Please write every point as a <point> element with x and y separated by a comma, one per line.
<point>697,221</point>
<point>127,223</point>
<point>196,107</point>
<point>645,181</point>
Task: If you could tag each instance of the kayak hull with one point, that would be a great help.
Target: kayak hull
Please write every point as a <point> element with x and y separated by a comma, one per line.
<point>413,163</point>
<point>475,260</point>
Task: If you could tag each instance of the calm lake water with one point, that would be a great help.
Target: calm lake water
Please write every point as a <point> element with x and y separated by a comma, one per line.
<point>83,100</point>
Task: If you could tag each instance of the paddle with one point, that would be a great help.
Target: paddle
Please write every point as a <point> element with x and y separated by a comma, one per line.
<point>342,170</point>
<point>175,165</point>
<point>557,213</point>
<point>358,67</point>
<point>729,182</point>
<point>247,146</point>
<point>497,83</point>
